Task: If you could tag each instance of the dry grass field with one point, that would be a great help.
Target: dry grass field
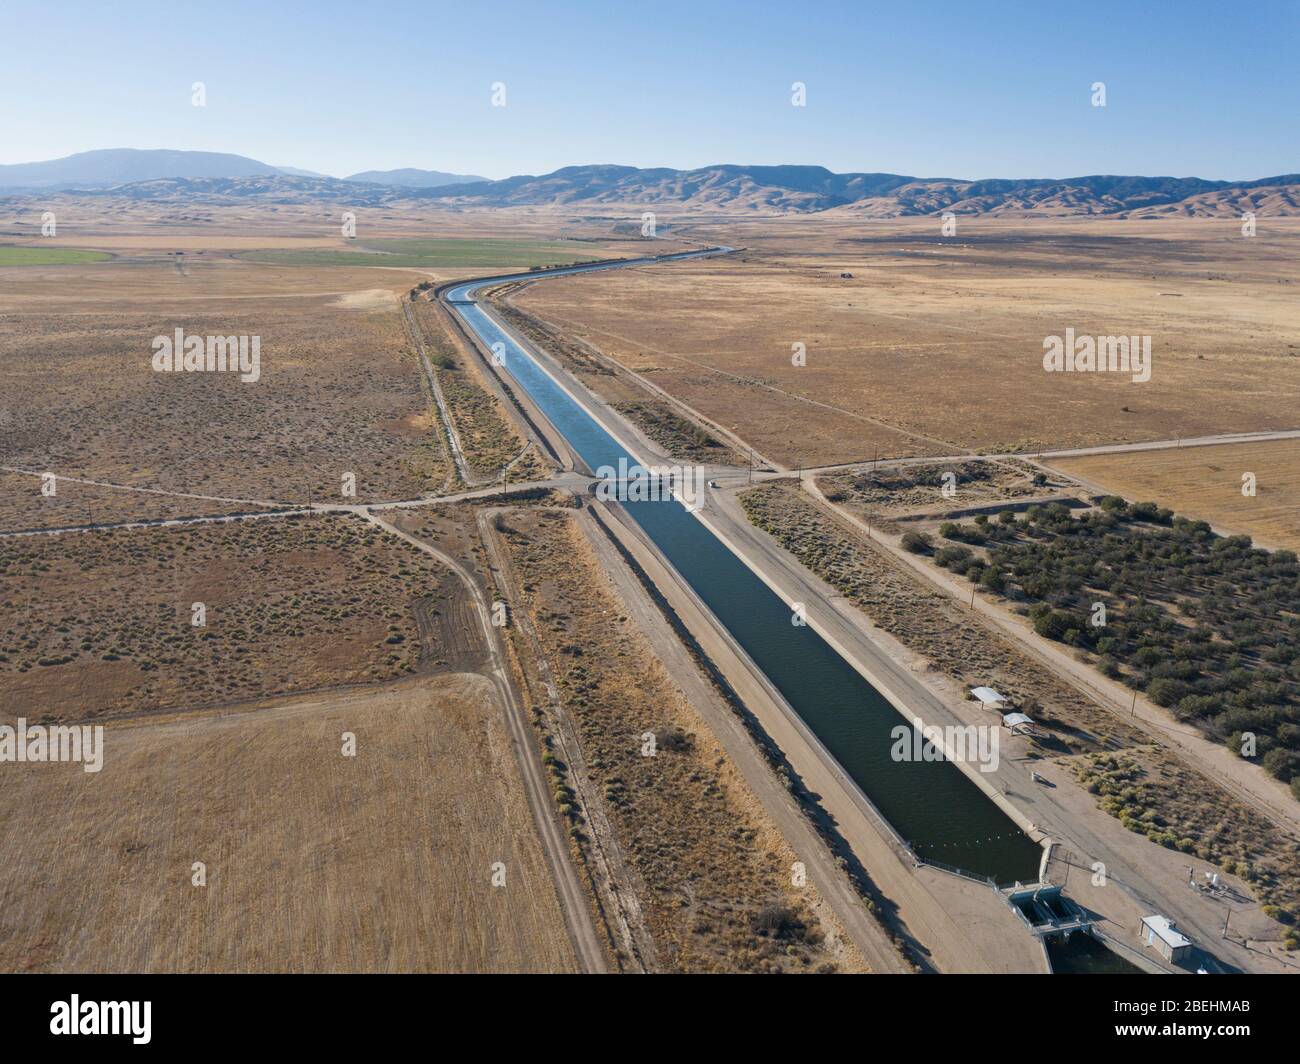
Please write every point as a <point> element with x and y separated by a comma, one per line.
<point>121,225</point>
<point>891,492</point>
<point>223,740</point>
<point>24,506</point>
<point>339,390</point>
<point>714,873</point>
<point>935,345</point>
<point>1205,483</point>
<point>315,862</point>
<point>100,623</point>
<point>489,438</point>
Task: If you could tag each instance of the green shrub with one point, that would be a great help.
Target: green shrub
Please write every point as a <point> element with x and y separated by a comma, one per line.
<point>950,556</point>
<point>1054,624</point>
<point>1166,692</point>
<point>1282,763</point>
<point>916,542</point>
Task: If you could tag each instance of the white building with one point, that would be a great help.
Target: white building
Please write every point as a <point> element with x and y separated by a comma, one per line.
<point>1170,943</point>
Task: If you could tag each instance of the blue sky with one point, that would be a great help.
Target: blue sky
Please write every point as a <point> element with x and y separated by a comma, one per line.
<point>987,89</point>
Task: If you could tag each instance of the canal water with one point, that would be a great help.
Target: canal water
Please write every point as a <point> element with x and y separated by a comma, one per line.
<point>933,805</point>
<point>1082,954</point>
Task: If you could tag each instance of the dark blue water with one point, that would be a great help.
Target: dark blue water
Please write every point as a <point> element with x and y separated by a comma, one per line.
<point>931,804</point>
<point>1082,954</point>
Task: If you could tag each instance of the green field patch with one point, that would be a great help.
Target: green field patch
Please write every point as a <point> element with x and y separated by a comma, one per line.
<point>23,256</point>
<point>420,252</point>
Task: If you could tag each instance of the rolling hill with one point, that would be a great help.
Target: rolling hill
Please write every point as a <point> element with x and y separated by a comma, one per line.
<point>184,176</point>
<point>121,166</point>
<point>814,188</point>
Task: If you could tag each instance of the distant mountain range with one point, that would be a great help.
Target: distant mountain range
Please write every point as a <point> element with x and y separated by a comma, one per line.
<point>111,167</point>
<point>122,166</point>
<point>215,177</point>
<point>409,178</point>
<point>814,188</point>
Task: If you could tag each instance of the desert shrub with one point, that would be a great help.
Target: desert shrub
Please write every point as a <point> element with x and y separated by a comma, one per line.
<point>951,557</point>
<point>1053,624</point>
<point>1166,691</point>
<point>916,542</point>
<point>673,739</point>
<point>1149,511</point>
<point>1282,763</point>
<point>779,921</point>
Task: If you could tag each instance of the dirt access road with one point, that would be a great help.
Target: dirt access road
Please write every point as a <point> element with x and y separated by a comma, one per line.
<point>573,899</point>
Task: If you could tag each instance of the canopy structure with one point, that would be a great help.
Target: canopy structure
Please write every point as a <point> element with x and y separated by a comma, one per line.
<point>988,696</point>
<point>1017,721</point>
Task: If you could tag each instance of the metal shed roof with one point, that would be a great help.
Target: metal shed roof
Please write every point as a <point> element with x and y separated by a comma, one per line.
<point>987,695</point>
<point>1168,934</point>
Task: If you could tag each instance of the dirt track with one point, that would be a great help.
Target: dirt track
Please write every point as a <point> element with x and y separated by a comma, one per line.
<point>573,899</point>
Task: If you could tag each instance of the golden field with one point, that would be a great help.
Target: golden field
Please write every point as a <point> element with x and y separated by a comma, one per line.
<point>1205,483</point>
<point>315,862</point>
<point>934,345</point>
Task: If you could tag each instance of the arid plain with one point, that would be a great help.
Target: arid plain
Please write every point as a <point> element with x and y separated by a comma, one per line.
<point>329,611</point>
<point>133,498</point>
<point>916,343</point>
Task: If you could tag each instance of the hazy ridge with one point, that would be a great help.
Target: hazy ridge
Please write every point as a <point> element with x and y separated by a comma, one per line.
<point>219,177</point>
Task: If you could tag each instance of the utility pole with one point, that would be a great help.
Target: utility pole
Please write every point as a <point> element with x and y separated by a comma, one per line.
<point>1134,707</point>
